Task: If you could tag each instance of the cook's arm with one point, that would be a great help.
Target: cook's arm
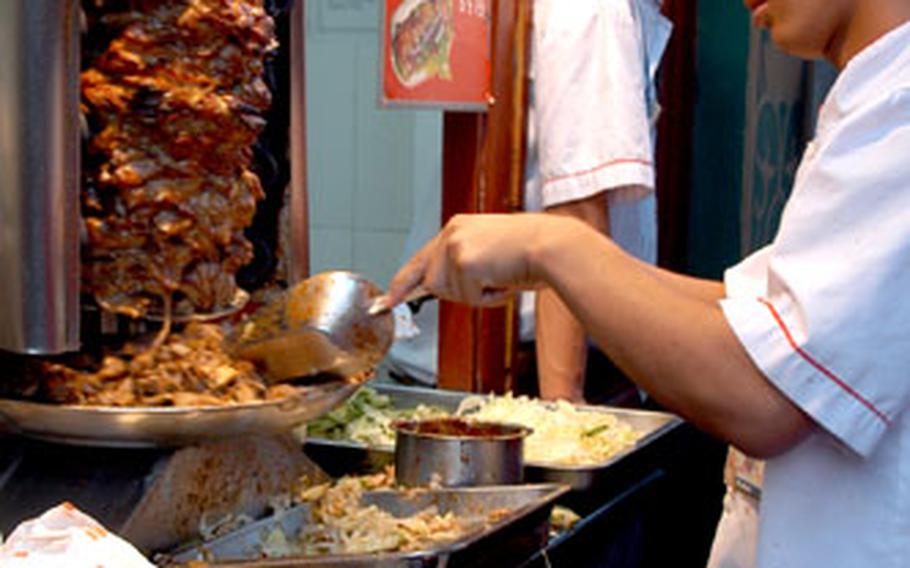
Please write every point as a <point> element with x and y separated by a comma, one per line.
<point>666,331</point>
<point>670,335</point>
<point>561,340</point>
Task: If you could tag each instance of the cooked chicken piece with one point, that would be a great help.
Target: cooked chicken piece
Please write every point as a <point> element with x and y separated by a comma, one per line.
<point>175,100</point>
<point>190,368</point>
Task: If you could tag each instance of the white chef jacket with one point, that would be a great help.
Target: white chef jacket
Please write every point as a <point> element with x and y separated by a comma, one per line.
<point>824,312</point>
<point>594,103</point>
<point>593,112</point>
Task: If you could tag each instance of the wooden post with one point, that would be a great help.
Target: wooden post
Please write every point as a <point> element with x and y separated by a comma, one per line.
<point>483,172</point>
<point>458,329</point>
<point>298,212</point>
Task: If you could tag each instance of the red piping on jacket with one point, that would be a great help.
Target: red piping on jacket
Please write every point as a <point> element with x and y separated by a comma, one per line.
<point>597,168</point>
<point>821,368</point>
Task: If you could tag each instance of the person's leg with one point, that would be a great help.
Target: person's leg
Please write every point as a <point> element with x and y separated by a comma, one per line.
<point>561,350</point>
<point>562,346</point>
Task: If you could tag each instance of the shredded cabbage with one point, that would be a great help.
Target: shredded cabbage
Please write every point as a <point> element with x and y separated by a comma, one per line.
<point>562,433</point>
<point>343,524</point>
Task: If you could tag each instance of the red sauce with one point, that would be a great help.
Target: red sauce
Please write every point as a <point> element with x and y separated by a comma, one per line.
<point>457,427</point>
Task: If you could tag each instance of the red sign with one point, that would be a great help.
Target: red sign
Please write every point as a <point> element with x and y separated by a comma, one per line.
<point>436,53</point>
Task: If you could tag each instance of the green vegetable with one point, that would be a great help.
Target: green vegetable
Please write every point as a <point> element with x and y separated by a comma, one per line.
<point>596,430</point>
<point>367,418</point>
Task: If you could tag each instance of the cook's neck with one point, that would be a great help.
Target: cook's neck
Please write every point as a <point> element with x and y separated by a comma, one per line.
<point>871,19</point>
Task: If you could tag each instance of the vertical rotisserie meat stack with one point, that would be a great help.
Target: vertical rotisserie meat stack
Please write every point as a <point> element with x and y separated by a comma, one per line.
<point>175,102</point>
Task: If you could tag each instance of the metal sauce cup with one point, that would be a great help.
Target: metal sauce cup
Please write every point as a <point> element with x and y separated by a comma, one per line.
<point>456,453</point>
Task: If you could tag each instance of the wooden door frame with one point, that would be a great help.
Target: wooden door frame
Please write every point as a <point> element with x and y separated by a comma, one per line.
<point>483,167</point>
<point>298,219</point>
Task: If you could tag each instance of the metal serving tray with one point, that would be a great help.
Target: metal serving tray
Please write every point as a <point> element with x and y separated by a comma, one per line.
<point>518,533</point>
<point>651,424</point>
<point>168,426</point>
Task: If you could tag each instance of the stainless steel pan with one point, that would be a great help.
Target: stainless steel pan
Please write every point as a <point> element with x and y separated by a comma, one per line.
<point>521,530</point>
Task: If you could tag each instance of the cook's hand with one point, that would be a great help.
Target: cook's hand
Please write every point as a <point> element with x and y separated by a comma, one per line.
<point>477,259</point>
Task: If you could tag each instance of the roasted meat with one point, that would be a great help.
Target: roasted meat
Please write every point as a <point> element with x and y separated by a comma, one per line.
<point>191,368</point>
<point>175,100</point>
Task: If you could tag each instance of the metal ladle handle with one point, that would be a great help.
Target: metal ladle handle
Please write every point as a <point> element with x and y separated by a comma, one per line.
<point>415,300</point>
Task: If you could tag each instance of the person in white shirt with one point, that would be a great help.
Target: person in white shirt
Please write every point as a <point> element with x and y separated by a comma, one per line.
<point>800,355</point>
<point>590,150</point>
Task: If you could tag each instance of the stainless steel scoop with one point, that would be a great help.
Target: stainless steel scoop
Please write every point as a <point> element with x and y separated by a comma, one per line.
<point>320,326</point>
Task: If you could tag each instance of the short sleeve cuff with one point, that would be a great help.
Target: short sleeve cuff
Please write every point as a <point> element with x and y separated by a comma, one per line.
<point>559,189</point>
<point>832,403</point>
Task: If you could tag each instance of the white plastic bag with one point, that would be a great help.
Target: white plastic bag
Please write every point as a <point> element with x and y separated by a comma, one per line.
<point>64,536</point>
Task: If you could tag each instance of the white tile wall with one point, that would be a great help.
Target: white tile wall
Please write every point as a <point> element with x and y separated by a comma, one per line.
<point>385,142</point>
<point>331,249</point>
<point>331,132</point>
<point>377,254</point>
<point>369,168</point>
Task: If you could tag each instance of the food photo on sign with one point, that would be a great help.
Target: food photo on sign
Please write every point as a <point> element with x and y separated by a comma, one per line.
<point>421,43</point>
<point>436,53</point>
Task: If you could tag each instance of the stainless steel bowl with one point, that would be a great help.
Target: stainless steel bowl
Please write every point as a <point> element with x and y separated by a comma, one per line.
<point>456,453</point>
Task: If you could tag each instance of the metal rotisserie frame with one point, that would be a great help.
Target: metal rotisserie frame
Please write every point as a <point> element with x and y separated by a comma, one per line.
<point>40,172</point>
<point>40,169</point>
<point>39,175</point>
